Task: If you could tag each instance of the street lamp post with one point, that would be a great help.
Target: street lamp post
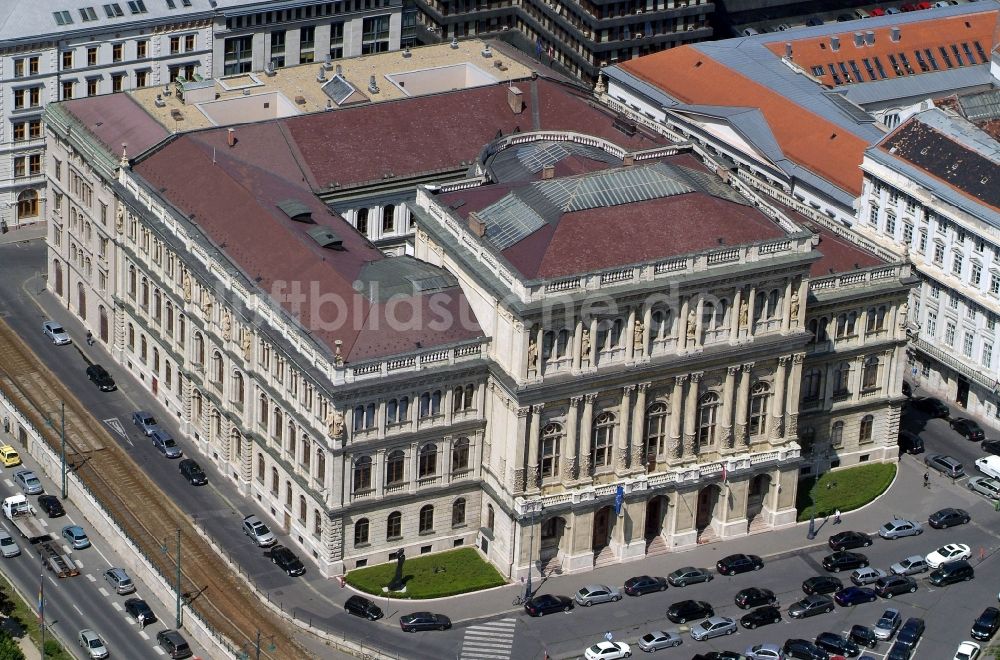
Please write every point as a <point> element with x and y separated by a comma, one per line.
<point>62,443</point>
<point>179,615</point>
<point>531,551</point>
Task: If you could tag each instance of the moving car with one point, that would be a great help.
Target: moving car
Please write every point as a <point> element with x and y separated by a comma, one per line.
<point>851,596</point>
<point>592,594</point>
<point>895,585</point>
<point>608,651</point>
<point>821,584</point>
<point>946,465</point>
<point>968,428</point>
<point>967,651</point>
<point>28,482</point>
<point>258,531</point>
<point>191,471</point>
<point>51,505</point>
<point>948,517</point>
<point>287,561</point>
<point>659,639</point>
<point>952,572</point>
<point>754,596</point>
<point>547,604</point>
<point>867,575</point>
<point>8,547</point>
<point>985,626</point>
<point>803,649</point>
<point>689,610</point>
<point>164,443</point>
<point>897,528</point>
<point>838,644</point>
<point>644,584</point>
<point>9,456</point>
<point>140,612</point>
<point>682,577</point>
<point>988,487</point>
<point>947,553</point>
<point>739,563</point>
<point>174,644</point>
<point>715,626</point>
<point>888,624</point>
<point>849,541</point>
<point>92,644</point>
<point>810,606</point>
<point>56,333</point>
<point>424,621</point>
<point>761,616</point>
<point>145,421</point>
<point>76,537</point>
<point>844,561</point>
<point>99,376</point>
<point>910,566</point>
<point>932,406</point>
<point>361,606</point>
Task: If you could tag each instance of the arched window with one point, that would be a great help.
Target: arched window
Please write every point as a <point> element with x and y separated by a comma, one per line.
<point>362,221</point>
<point>81,301</point>
<point>142,348</point>
<point>842,379</point>
<point>218,367</point>
<point>463,398</point>
<point>812,384</point>
<point>260,466</point>
<point>662,324</point>
<point>180,329</point>
<point>262,410</point>
<point>361,532</point>
<point>869,374</point>
<point>865,430</point>
<point>288,495</point>
<point>131,337</point>
<point>460,455</point>
<point>394,526</point>
<point>320,465</point>
<point>131,281</point>
<point>708,409</point>
<point>157,305</point>
<point>144,295</point>
<point>168,374</point>
<point>426,523</point>
<point>458,512</point>
<point>278,426</point>
<point>156,360</point>
<point>774,304</point>
<point>275,481</point>
<point>196,405</point>
<point>362,474</point>
<point>656,430</point>
<point>303,509</point>
<point>394,464</point>
<point>490,517</point>
<point>562,343</point>
<point>759,396</point>
<point>427,463</point>
<point>168,324</point>
<point>317,523</point>
<point>604,440</point>
<point>430,404</point>
<point>837,435</point>
<point>551,438</point>
<point>292,439</point>
<point>239,389</point>
<point>199,348</point>
<point>359,418</point>
<point>27,204</point>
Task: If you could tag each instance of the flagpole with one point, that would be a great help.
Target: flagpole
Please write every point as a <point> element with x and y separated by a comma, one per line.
<point>41,604</point>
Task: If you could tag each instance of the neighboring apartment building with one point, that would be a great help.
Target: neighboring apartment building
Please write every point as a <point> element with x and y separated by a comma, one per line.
<point>931,195</point>
<point>50,50</point>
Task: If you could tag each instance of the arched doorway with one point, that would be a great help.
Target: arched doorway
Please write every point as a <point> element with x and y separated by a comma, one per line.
<point>708,502</point>
<point>656,513</point>
<point>757,492</point>
<point>552,535</point>
<point>81,301</point>
<point>602,529</point>
<point>57,273</point>
<point>103,315</point>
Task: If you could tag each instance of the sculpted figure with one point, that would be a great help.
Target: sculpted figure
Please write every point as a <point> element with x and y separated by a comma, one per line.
<point>247,344</point>
<point>335,423</point>
<point>638,332</point>
<point>744,312</point>
<point>585,343</point>
<point>227,325</point>
<point>120,219</point>
<point>187,286</point>
<point>532,354</point>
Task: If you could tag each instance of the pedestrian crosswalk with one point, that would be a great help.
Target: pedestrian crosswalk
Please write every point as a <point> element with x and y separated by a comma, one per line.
<point>493,640</point>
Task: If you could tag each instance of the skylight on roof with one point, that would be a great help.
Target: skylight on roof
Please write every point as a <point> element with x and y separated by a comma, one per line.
<point>87,14</point>
<point>113,10</point>
<point>62,17</point>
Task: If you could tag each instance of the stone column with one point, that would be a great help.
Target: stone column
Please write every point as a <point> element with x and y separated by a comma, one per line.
<point>777,429</point>
<point>676,401</point>
<point>533,437</point>
<point>798,320</point>
<point>726,441</point>
<point>379,466</point>
<point>592,358</point>
<point>638,458</point>
<point>751,304</point>
<point>577,345</point>
<point>446,442</point>
<point>647,322</point>
<point>246,460</point>
<point>570,460</point>
<point>540,368</point>
<point>742,400</point>
<point>734,316</point>
<point>586,434</point>
<point>857,371</point>
<point>337,495</point>
<point>412,477</point>
<point>630,335</point>
<point>699,322</point>
<point>682,331</point>
<point>380,419</point>
<point>691,417</point>
<point>794,394</point>
<point>786,308</point>
<point>520,447</point>
<point>624,410</point>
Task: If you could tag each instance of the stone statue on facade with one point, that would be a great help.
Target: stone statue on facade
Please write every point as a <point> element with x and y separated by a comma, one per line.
<point>206,304</point>
<point>585,343</point>
<point>692,324</point>
<point>335,423</point>
<point>120,219</point>
<point>227,325</point>
<point>795,304</point>
<point>532,354</point>
<point>901,314</point>
<point>247,344</point>
<point>638,332</point>
<point>744,313</point>
<point>187,285</point>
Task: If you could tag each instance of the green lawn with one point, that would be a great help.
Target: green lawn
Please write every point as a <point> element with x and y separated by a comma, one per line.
<point>431,576</point>
<point>22,618</point>
<point>845,489</point>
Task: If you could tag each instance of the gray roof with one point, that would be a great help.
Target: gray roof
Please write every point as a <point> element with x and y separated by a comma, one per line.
<point>917,87</point>
<point>35,20</point>
<point>982,106</point>
<point>517,163</point>
<point>401,276</point>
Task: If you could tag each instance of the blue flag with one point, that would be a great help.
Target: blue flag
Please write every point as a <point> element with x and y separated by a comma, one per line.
<point>619,499</point>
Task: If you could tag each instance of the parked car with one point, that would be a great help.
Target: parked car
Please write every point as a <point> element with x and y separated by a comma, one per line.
<point>946,465</point>
<point>989,465</point>
<point>119,581</point>
<point>810,606</point>
<point>932,406</point>
<point>952,572</point>
<point>28,482</point>
<point>849,541</point>
<point>715,626</point>
<point>51,505</point>
<point>899,652</point>
<point>988,487</point>
<point>867,575</point>
<point>985,626</point>
<point>803,649</point>
<point>8,547</point>
<point>863,636</point>
<point>644,584</point>
<point>92,644</point>
<point>912,565</point>
<point>813,21</point>
<point>9,456</point>
<point>838,644</point>
<point>895,585</point>
<point>844,561</point>
<point>991,447</point>
<point>140,611</point>
<point>947,553</point>
<point>967,651</point>
<point>851,596</point>
<point>192,472</point>
<point>164,443</point>
<point>547,604</point>
<point>682,577</point>
<point>145,421</point>
<point>364,608</point>
<point>754,596</point>
<point>258,531</point>
<point>739,563</point>
<point>897,528</point>
<point>968,428</point>
<point>888,624</point>
<point>689,610</point>
<point>764,652</point>
<point>99,376</point>
<point>910,632</point>
<point>608,651</point>
<point>948,517</point>
<point>592,594</point>
<point>174,644</point>
<point>56,333</point>
<point>907,389</point>
<point>659,639</point>
<point>287,561</point>
<point>761,616</point>
<point>424,621</point>
<point>76,537</point>
<point>910,442</point>
<point>821,584</point>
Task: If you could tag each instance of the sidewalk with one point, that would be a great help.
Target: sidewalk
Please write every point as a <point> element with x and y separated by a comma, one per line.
<point>30,651</point>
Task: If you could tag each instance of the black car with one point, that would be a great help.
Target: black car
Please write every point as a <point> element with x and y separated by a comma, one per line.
<point>722,655</point>
<point>907,389</point>
<point>424,621</point>
<point>910,442</point>
<point>740,563</point>
<point>361,606</point>
<point>191,471</point>
<point>895,585</point>
<point>910,632</point>
<point>51,505</point>
<point>99,376</point>
<point>933,407</point>
<point>986,625</point>
<point>899,651</point>
<point>689,610</point>
<point>804,650</point>
<point>287,561</point>
<point>822,584</point>
<point>547,604</point>
<point>810,606</point>
<point>948,518</point>
<point>139,611</point>
<point>863,635</point>
<point>952,572</point>
<point>754,596</point>
<point>968,428</point>
<point>849,541</point>
<point>761,617</point>
<point>844,561</point>
<point>835,643</point>
<point>644,584</point>
<point>991,447</point>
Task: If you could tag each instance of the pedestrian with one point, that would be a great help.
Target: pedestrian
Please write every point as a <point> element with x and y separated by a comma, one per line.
<point>90,338</point>
<point>608,635</point>
<point>927,479</point>
<point>836,517</point>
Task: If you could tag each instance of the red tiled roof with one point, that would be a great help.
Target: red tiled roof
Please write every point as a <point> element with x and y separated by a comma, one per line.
<point>116,119</point>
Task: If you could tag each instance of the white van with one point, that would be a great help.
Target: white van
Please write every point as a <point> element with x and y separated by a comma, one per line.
<point>861,13</point>
<point>989,465</point>
<point>749,32</point>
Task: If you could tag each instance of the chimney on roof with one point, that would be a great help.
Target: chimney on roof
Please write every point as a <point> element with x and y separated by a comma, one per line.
<point>477,226</point>
<point>835,43</point>
<point>548,172</point>
<point>628,160</point>
<point>514,100</point>
<point>870,38</point>
<point>231,137</point>
<point>788,50</point>
<point>859,40</point>
<point>894,34</point>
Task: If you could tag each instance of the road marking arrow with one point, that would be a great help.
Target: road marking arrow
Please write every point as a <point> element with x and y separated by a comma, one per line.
<point>115,425</point>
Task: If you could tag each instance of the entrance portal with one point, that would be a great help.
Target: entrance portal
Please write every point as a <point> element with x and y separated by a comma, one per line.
<point>962,396</point>
<point>708,502</point>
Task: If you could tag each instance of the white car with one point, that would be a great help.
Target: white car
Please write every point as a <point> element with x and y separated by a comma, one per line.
<point>92,644</point>
<point>608,651</point>
<point>967,651</point>
<point>55,332</point>
<point>947,553</point>
<point>8,548</point>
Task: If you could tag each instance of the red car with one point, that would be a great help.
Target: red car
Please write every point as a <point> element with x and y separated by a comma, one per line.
<point>878,11</point>
<point>909,6</point>
<point>924,5</point>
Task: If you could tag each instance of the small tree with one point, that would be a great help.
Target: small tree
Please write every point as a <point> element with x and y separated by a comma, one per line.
<point>9,650</point>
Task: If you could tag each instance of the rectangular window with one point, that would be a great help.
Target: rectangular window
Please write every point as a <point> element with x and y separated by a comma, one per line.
<point>987,355</point>
<point>953,301</point>
<point>932,324</point>
<point>62,17</point>
<point>956,265</point>
<point>92,56</point>
<point>938,254</point>
<point>873,216</point>
<point>93,86</point>
<point>967,344</point>
<point>67,60</point>
<point>117,52</point>
<point>991,322</point>
<point>336,40</point>
<point>175,45</point>
<point>890,225</point>
<point>278,48</point>
<point>32,66</point>
<point>923,242</point>
<point>20,131</point>
<point>911,205</point>
<point>907,234</point>
<point>189,44</point>
<point>238,55</point>
<point>976,275</point>
<point>18,68</point>
<point>893,197</point>
<point>117,82</point>
<point>994,284</point>
<point>307,43</point>
<point>67,90</point>
<point>141,48</point>
<point>949,334</point>
<point>375,35</point>
<point>141,78</point>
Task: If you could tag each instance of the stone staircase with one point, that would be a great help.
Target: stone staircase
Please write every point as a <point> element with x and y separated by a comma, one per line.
<point>656,546</point>
<point>605,557</point>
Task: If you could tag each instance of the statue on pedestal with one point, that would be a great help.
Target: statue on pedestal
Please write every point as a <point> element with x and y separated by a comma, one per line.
<point>397,583</point>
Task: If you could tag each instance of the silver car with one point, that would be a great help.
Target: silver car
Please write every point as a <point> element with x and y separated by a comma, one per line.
<point>986,486</point>
<point>258,531</point>
<point>765,652</point>
<point>56,333</point>
<point>659,639</point>
<point>888,624</point>
<point>897,528</point>
<point>867,575</point>
<point>713,627</point>
<point>92,644</point>
<point>597,593</point>
<point>145,421</point>
<point>8,548</point>
<point>28,482</point>
<point>910,566</point>
<point>165,444</point>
